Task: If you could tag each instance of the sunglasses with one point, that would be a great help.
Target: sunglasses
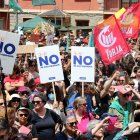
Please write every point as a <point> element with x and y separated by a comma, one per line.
<point>126,95</point>
<point>85,104</point>
<point>121,80</point>
<point>36,102</point>
<point>32,65</point>
<point>24,92</point>
<point>25,115</point>
<point>15,100</point>
<point>72,123</point>
<point>1,104</point>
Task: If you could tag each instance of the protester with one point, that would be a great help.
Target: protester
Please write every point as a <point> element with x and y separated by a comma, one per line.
<point>24,93</point>
<point>81,114</point>
<point>13,81</point>
<point>44,119</point>
<point>32,70</point>
<point>14,101</point>
<point>24,119</point>
<point>122,107</point>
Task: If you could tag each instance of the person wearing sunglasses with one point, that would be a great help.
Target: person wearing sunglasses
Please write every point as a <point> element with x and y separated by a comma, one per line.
<point>32,70</point>
<point>23,118</point>
<point>24,93</point>
<point>44,119</point>
<point>14,101</point>
<point>123,107</point>
<point>81,114</point>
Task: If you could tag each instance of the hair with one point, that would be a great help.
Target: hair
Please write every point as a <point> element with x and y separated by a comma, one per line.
<point>4,124</point>
<point>57,91</point>
<point>92,124</point>
<point>16,69</point>
<point>136,69</point>
<point>67,117</point>
<point>41,96</point>
<point>77,101</point>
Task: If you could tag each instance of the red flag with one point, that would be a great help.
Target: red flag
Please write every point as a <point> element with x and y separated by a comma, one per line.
<point>129,21</point>
<point>109,41</point>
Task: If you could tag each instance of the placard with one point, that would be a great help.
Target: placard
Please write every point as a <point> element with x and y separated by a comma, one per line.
<point>23,49</point>
<point>82,64</point>
<point>49,64</point>
<point>8,50</point>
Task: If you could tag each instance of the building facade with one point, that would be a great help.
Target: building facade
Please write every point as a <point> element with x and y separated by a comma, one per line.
<point>81,12</point>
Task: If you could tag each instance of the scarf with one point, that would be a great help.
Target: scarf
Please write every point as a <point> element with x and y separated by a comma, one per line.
<point>116,105</point>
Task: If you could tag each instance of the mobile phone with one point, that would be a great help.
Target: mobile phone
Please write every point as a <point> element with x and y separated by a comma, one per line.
<point>111,123</point>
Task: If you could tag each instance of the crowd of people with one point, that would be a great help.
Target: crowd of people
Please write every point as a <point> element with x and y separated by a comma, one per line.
<point>109,110</point>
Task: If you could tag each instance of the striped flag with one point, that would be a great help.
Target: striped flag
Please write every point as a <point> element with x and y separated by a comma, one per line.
<point>15,6</point>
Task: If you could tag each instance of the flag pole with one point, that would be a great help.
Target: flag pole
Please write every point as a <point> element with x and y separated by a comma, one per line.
<point>17,16</point>
<point>54,92</point>
<point>82,89</point>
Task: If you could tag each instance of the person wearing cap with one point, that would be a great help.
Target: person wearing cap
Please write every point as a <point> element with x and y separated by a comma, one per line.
<point>24,93</point>
<point>123,107</point>
<point>24,119</point>
<point>41,88</point>
<point>14,101</point>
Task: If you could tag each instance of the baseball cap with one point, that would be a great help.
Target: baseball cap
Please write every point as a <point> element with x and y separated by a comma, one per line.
<point>24,108</point>
<point>123,89</point>
<point>14,96</point>
<point>22,88</point>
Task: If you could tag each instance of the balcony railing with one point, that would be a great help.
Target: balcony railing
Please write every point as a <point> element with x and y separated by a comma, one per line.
<point>112,5</point>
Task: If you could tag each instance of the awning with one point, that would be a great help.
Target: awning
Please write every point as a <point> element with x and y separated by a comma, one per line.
<point>32,23</point>
<point>54,13</point>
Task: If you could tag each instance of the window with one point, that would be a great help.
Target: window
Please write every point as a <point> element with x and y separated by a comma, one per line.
<point>1,24</point>
<point>128,3</point>
<point>82,22</point>
<point>1,3</point>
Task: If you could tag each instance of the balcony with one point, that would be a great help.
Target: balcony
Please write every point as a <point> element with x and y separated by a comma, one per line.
<point>112,5</point>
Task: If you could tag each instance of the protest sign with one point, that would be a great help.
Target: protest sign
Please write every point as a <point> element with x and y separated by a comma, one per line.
<point>23,49</point>
<point>49,64</point>
<point>82,64</point>
<point>8,50</point>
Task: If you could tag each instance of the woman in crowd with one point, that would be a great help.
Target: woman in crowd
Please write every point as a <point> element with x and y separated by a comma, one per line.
<point>13,81</point>
<point>44,119</point>
<point>123,107</point>
<point>24,119</point>
<point>57,106</point>
<point>32,70</point>
<point>24,93</point>
<point>10,118</point>
<point>14,101</point>
<point>81,114</point>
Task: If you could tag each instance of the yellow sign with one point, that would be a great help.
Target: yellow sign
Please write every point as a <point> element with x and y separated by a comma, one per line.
<point>117,14</point>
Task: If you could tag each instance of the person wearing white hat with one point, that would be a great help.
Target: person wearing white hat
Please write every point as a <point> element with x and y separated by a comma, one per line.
<point>14,101</point>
